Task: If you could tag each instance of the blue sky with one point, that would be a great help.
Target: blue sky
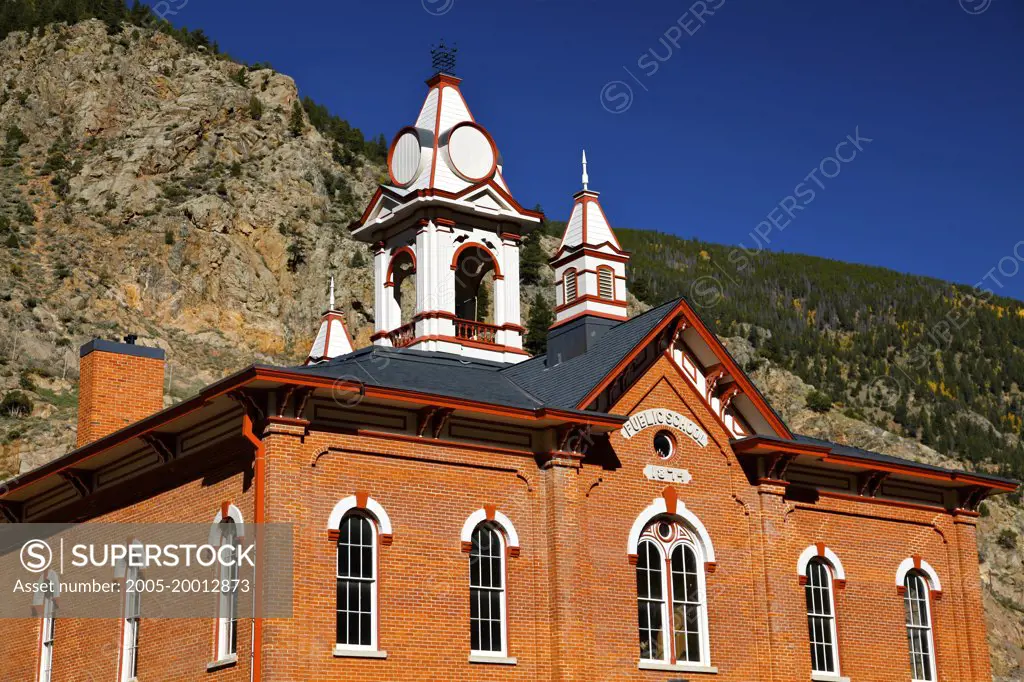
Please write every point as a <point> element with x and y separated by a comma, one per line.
<point>703,126</point>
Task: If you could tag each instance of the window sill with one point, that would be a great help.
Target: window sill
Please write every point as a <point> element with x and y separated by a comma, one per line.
<point>494,660</point>
<point>828,677</point>
<point>681,667</point>
<point>349,652</point>
<point>222,663</point>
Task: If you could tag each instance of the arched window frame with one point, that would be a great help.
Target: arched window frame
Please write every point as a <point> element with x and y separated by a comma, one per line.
<point>835,575</point>
<point>131,621</point>
<point>609,272</point>
<point>570,276</point>
<point>45,603</point>
<point>489,518</point>
<point>923,664</point>
<point>366,507</point>
<point>695,535</point>
<point>226,630</point>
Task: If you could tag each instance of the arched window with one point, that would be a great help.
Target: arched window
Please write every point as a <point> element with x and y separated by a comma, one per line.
<point>606,282</point>
<point>130,626</point>
<point>46,635</point>
<point>919,627</point>
<point>487,591</point>
<point>357,583</point>
<point>821,619</point>
<point>569,285</point>
<point>227,608</point>
<point>671,608</point>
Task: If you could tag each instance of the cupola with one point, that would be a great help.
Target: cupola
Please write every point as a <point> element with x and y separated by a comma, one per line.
<point>446,233</point>
<point>590,278</point>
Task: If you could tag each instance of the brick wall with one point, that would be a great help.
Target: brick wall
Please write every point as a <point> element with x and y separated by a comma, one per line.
<point>571,590</point>
<point>87,649</point>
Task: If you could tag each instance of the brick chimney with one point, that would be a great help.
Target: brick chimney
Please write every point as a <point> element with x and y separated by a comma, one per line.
<point>119,384</point>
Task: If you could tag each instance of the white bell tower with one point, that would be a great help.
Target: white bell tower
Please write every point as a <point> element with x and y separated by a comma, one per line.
<point>590,279</point>
<point>590,265</point>
<point>446,234</point>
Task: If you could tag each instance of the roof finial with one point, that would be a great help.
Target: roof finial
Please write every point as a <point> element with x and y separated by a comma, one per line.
<point>332,293</point>
<point>586,178</point>
<point>442,58</point>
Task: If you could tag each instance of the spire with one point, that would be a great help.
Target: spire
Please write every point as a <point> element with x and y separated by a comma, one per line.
<point>333,338</point>
<point>590,272</point>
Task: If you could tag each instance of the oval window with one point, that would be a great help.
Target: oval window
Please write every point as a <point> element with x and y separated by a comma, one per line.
<point>664,444</point>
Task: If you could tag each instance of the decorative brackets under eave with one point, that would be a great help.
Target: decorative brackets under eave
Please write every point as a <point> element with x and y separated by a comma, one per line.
<point>576,438</point>
<point>432,419</point>
<point>972,497</point>
<point>81,480</point>
<point>164,445</point>
<point>13,512</point>
<point>295,397</point>
<point>869,483</point>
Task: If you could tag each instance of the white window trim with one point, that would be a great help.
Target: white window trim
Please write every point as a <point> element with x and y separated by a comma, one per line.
<point>479,516</point>
<point>503,597</point>
<point>659,508</point>
<point>363,650</point>
<point>383,521</point>
<point>926,579</point>
<point>131,573</point>
<point>224,655</point>
<point>837,671</point>
<point>831,558</point>
<point>931,577</point>
<point>47,601</point>
<point>667,610</point>
<point>235,515</point>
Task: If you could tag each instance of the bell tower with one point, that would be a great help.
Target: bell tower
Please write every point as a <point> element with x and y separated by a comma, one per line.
<point>445,232</point>
<point>590,278</point>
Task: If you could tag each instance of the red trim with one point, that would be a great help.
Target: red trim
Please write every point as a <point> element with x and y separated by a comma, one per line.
<point>259,513</point>
<point>590,297</point>
<point>592,313</point>
<point>444,79</point>
<point>391,153</point>
<point>440,82</point>
<point>559,259</point>
<point>477,245</point>
<point>389,280</point>
<point>490,141</point>
<point>468,342</point>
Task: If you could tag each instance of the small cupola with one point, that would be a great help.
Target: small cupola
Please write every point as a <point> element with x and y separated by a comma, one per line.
<point>333,338</point>
<point>590,278</point>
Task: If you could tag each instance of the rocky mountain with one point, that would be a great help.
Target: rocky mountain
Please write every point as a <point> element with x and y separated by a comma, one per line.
<point>149,185</point>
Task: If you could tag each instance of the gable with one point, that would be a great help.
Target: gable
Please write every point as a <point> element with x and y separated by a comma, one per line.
<point>705,364</point>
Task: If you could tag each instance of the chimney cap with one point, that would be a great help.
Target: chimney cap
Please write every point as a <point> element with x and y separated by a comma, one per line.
<point>122,348</point>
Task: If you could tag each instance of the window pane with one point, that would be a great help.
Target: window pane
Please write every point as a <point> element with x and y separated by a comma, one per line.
<point>486,578</point>
<point>355,586</point>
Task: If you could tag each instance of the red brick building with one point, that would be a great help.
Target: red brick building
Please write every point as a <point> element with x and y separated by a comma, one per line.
<point>626,507</point>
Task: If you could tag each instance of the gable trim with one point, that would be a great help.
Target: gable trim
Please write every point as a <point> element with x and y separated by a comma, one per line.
<point>739,376</point>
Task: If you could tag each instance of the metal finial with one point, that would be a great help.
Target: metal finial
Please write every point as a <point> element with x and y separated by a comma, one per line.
<point>332,293</point>
<point>586,178</point>
<point>442,58</point>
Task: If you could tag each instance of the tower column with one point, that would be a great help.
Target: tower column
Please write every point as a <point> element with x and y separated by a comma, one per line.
<point>382,295</point>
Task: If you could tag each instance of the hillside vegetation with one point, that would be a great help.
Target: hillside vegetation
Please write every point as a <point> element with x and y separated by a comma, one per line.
<point>939,362</point>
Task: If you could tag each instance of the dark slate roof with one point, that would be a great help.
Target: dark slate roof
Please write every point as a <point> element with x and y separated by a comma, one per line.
<point>426,372</point>
<point>868,455</point>
<point>565,385</point>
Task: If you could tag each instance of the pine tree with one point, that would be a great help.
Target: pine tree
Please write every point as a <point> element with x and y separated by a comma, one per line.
<point>541,317</point>
<point>533,260</point>
<point>297,122</point>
